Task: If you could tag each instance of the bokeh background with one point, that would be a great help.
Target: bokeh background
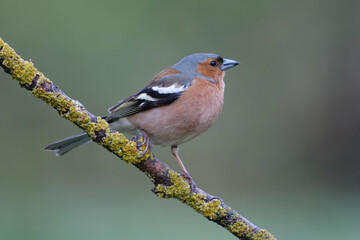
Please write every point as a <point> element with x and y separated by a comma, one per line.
<point>284,153</point>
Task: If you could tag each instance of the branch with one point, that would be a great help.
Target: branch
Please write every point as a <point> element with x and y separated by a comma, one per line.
<point>168,183</point>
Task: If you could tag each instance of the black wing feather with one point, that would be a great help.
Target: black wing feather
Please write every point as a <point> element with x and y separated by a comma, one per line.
<point>149,98</point>
<point>133,105</point>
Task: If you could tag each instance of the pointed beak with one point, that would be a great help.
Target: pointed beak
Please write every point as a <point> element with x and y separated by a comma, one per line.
<point>228,63</point>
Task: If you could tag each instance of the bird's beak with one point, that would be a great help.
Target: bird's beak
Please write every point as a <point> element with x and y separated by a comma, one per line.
<point>228,63</point>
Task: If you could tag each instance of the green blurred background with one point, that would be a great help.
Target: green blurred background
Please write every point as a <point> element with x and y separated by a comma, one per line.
<point>284,153</point>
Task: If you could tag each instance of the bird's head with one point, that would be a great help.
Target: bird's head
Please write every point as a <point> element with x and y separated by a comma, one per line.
<point>208,65</point>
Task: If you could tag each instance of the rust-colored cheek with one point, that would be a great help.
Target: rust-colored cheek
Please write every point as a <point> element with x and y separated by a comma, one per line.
<point>208,71</point>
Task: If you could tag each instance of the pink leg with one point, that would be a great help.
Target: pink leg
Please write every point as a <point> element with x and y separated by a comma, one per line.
<point>175,150</point>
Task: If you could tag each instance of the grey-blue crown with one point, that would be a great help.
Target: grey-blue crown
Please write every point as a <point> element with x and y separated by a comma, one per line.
<point>189,63</point>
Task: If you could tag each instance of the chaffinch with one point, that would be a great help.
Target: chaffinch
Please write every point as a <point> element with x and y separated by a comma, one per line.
<point>179,103</point>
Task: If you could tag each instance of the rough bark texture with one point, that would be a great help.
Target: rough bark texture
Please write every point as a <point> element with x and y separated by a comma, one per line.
<point>168,183</point>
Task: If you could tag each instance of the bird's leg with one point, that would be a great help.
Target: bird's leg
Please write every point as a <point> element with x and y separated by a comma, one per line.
<point>175,150</point>
<point>141,143</point>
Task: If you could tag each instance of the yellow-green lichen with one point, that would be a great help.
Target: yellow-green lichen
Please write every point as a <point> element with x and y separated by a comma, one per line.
<point>179,189</point>
<point>84,121</point>
<point>209,209</point>
<point>25,72</point>
<point>115,141</point>
<point>100,125</point>
<point>129,153</point>
<point>21,70</point>
<point>240,228</point>
<point>212,210</point>
<point>263,234</point>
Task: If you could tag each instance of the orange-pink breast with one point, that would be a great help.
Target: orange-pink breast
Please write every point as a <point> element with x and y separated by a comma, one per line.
<point>189,116</point>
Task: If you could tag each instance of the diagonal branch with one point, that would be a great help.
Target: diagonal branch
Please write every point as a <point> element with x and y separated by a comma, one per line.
<point>168,183</point>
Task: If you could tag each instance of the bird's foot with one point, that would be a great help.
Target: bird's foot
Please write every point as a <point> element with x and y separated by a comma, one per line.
<point>190,181</point>
<point>139,143</point>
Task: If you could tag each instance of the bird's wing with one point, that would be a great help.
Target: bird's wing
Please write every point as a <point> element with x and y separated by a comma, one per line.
<point>159,92</point>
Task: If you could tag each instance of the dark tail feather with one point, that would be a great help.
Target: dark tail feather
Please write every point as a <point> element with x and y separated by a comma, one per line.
<point>63,146</point>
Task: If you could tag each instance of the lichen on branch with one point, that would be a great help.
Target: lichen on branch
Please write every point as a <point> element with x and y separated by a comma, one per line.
<point>168,183</point>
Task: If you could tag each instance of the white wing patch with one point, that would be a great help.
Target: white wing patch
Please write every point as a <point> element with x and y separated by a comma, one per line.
<point>171,89</point>
<point>146,97</point>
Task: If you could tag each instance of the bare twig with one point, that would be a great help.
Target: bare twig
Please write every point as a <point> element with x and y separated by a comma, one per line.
<point>168,183</point>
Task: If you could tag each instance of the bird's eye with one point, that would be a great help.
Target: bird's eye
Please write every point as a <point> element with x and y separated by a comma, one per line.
<point>213,63</point>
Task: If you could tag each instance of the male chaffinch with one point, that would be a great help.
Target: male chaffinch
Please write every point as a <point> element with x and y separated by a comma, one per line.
<point>179,103</point>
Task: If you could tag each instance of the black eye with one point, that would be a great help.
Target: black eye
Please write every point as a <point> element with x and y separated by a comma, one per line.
<point>213,63</point>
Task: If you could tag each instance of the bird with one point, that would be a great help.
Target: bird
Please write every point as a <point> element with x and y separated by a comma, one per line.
<point>180,103</point>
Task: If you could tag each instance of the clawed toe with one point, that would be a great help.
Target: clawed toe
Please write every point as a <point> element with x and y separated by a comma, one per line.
<point>145,141</point>
<point>191,182</point>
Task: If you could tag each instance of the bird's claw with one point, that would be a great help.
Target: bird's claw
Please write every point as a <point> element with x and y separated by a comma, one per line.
<point>145,141</point>
<point>190,181</point>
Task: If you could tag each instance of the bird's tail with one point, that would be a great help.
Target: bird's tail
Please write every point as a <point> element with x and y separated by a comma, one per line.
<point>63,146</point>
